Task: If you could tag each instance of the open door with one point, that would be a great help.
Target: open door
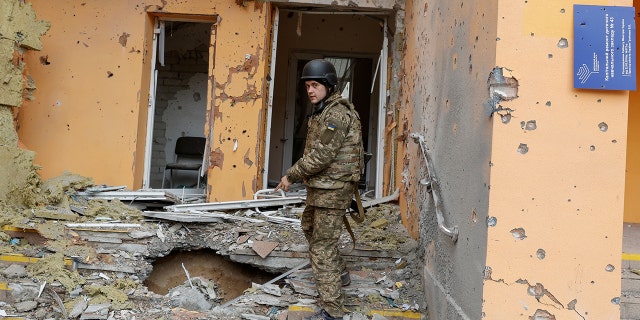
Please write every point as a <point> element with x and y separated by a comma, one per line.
<point>178,97</point>
<point>303,35</point>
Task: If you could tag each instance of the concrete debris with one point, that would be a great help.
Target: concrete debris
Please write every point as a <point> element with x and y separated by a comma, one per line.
<point>92,262</point>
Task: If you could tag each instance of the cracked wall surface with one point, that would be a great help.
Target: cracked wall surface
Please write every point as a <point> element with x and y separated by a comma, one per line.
<point>91,112</point>
<point>557,176</point>
<point>448,55</point>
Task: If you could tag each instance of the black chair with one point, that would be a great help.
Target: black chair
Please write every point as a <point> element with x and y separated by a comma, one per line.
<point>189,152</point>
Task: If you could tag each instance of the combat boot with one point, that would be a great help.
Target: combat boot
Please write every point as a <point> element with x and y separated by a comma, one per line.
<point>322,315</point>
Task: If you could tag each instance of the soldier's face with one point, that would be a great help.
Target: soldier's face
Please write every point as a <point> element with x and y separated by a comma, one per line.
<point>315,90</point>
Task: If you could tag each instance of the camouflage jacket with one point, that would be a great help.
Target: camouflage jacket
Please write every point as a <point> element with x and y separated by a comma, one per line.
<point>333,157</point>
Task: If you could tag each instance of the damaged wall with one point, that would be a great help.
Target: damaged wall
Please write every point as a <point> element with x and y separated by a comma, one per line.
<point>557,177</point>
<point>541,215</point>
<point>450,50</point>
<point>85,117</point>
<point>91,113</point>
<point>20,31</point>
<point>239,113</point>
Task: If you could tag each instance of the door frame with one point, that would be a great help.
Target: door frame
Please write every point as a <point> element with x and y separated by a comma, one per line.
<point>157,57</point>
<point>380,74</point>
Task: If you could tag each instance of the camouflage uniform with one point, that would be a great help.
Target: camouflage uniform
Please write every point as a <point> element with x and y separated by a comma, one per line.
<point>330,167</point>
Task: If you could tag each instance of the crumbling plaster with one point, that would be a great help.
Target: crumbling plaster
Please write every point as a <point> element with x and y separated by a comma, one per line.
<point>94,104</point>
<point>20,31</point>
<point>239,109</point>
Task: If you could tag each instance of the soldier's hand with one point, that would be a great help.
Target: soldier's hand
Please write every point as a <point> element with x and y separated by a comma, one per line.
<point>284,184</point>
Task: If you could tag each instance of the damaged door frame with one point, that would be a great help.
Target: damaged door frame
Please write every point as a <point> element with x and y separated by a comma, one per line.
<point>381,72</point>
<point>158,54</point>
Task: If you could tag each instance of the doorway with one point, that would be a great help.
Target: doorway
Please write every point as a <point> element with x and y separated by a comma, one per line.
<point>178,101</point>
<point>355,44</point>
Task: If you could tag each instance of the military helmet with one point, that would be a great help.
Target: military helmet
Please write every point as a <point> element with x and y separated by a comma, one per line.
<point>320,70</point>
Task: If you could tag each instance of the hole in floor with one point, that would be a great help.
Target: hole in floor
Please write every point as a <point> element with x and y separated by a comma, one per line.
<point>231,278</point>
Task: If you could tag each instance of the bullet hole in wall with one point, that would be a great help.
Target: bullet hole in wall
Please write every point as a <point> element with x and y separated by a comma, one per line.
<point>518,233</point>
<point>109,74</point>
<point>603,126</point>
<point>523,148</point>
<point>615,300</point>
<point>487,273</point>
<point>541,254</point>
<point>609,268</point>
<point>548,104</point>
<point>550,55</point>
<point>563,43</point>
<point>531,125</point>
<point>44,60</point>
<point>492,221</point>
<point>592,148</point>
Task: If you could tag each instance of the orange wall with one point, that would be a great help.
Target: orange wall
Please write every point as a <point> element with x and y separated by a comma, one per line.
<point>238,113</point>
<point>631,200</point>
<point>566,193</point>
<point>89,113</point>
<point>84,116</point>
<point>632,185</point>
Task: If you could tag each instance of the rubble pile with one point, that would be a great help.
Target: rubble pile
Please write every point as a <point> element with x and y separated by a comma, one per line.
<point>74,256</point>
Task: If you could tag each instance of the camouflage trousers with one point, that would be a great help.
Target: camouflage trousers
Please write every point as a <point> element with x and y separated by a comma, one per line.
<point>322,228</point>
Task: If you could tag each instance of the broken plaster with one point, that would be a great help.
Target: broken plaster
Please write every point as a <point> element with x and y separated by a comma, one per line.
<point>23,33</point>
<point>539,292</point>
<point>501,88</point>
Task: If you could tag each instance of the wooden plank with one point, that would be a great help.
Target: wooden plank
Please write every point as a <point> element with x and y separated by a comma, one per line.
<point>15,258</point>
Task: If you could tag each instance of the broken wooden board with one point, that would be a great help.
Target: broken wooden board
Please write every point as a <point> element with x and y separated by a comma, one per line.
<point>31,235</point>
<point>21,259</point>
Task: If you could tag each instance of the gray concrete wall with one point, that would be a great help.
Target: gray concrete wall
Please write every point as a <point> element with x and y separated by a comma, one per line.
<point>448,56</point>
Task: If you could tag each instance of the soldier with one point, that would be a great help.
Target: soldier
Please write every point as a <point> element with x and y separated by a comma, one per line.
<point>330,167</point>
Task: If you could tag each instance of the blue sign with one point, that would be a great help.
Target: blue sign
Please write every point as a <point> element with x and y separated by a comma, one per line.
<point>604,55</point>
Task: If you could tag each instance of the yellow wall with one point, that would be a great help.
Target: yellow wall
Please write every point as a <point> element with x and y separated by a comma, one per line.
<point>239,111</point>
<point>89,115</point>
<point>632,185</point>
<point>566,193</point>
<point>82,117</point>
<point>632,189</point>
